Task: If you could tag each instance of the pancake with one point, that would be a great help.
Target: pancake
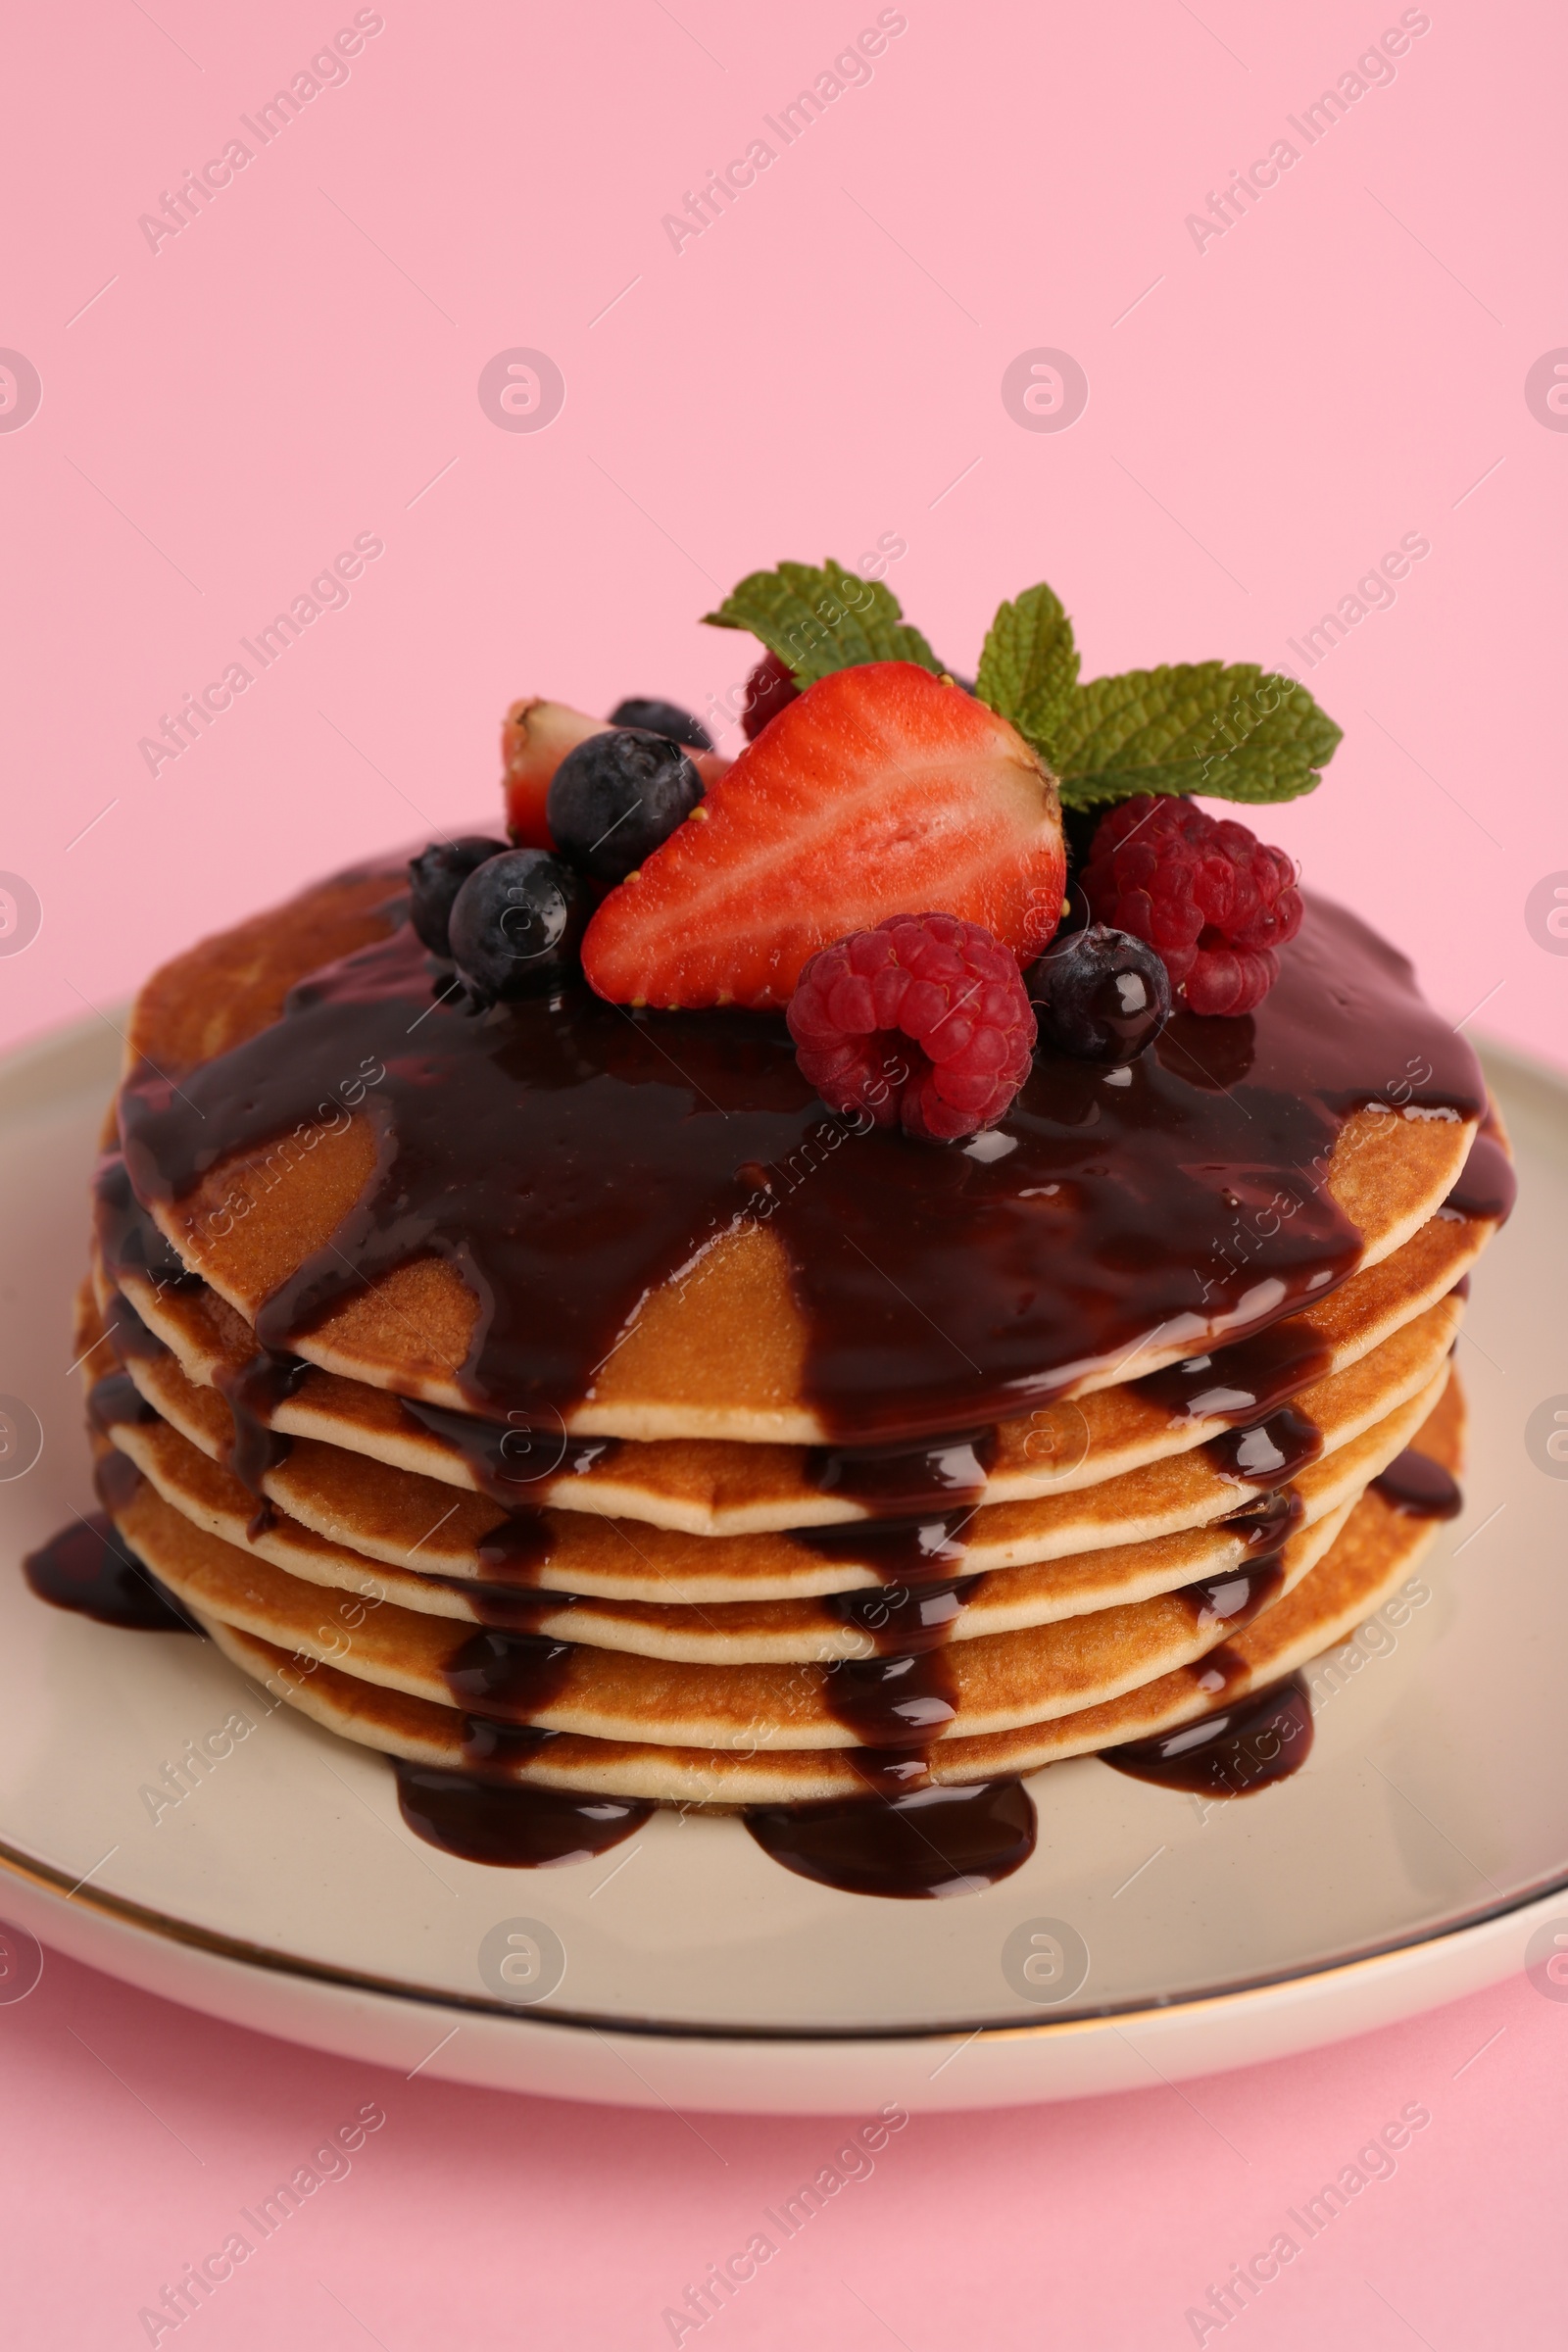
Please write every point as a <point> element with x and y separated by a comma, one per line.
<point>1371,1557</point>
<point>997,1682</point>
<point>700,1258</point>
<point>408,1521</point>
<point>968,1600</point>
<point>714,1486</point>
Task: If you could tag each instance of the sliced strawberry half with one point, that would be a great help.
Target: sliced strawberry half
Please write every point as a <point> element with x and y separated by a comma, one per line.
<point>535,737</point>
<point>878,792</point>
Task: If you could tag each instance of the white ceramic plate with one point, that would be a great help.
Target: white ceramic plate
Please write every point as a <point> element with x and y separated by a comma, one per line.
<point>1411,1861</point>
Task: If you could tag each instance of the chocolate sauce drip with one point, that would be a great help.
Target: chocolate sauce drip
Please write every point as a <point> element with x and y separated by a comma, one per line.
<point>1262,1739</point>
<point>1217,1669</point>
<point>901,1552</point>
<point>115,1479</point>
<point>896,1702</point>
<point>128,1241</point>
<point>1242,1383</point>
<point>1269,1523</point>
<point>904,1618</point>
<point>127,1333</point>
<point>507,1458</point>
<point>1414,1484</point>
<point>510,1825</point>
<point>567,1157</point>
<point>921,1841</point>
<point>901,1482</point>
<point>509,1677</point>
<point>1488,1186</point>
<point>1234,1597</point>
<point>90,1568</point>
<point>517,1612</point>
<point>515,1550</point>
<point>1270,1452</point>
<point>115,1402</point>
<point>253,1391</point>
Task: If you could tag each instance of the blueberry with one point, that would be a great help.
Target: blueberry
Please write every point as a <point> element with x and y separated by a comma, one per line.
<point>437,874</point>
<point>516,924</point>
<point>614,798</point>
<point>1101,995</point>
<point>662,719</point>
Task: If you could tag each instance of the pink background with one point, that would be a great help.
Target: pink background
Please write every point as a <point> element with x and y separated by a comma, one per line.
<point>822,366</point>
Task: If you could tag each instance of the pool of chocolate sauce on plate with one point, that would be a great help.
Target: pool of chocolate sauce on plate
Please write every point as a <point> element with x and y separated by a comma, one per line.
<point>512,1826</point>
<point>1234,1752</point>
<point>90,1569</point>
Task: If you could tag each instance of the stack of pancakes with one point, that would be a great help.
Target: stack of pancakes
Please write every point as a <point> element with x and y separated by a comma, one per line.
<point>694,1582</point>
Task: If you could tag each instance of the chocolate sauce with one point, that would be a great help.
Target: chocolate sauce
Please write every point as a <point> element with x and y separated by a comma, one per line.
<point>893,1703</point>
<point>567,1157</point>
<point>1269,1523</point>
<point>1270,1452</point>
<point>115,1402</point>
<point>900,1482</point>
<point>515,1550</point>
<point>905,1617</point>
<point>508,1457</point>
<point>920,1841</point>
<point>512,1826</point>
<point>1488,1186</point>
<point>506,1675</point>
<point>90,1568</point>
<point>1235,1595</point>
<point>127,1333</point>
<point>901,1552</point>
<point>128,1241</point>
<point>115,1479</point>
<point>517,1612</point>
<point>1414,1484</point>
<point>1242,1383</point>
<point>1218,1669</point>
<point>1238,1749</point>
<point>253,1391</point>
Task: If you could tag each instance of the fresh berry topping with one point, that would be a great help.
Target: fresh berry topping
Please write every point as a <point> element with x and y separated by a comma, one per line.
<point>925,1020</point>
<point>1101,995</point>
<point>663,719</point>
<point>768,689</point>
<point>514,924</point>
<point>535,739</point>
<point>436,876</point>
<point>876,790</point>
<point>617,797</point>
<point>1214,899</point>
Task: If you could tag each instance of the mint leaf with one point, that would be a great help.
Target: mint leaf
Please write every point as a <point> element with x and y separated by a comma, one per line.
<point>1234,731</point>
<point>1029,666</point>
<point>819,618</point>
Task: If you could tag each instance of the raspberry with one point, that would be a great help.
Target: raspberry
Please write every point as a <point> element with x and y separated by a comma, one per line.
<point>924,1019</point>
<point>1207,894</point>
<point>768,689</point>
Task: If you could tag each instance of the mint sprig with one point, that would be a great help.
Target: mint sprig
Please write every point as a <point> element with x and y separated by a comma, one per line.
<point>1232,730</point>
<point>1029,667</point>
<point>822,618</point>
